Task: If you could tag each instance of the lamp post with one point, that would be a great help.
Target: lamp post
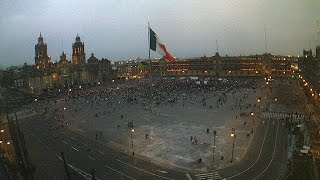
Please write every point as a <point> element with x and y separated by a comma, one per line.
<point>132,131</point>
<point>259,99</point>
<point>233,136</point>
<point>214,147</point>
<point>252,117</point>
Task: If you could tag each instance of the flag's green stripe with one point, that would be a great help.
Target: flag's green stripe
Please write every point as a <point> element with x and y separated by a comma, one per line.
<point>153,40</point>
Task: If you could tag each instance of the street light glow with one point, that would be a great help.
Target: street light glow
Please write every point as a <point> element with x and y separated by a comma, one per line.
<point>2,130</point>
<point>8,142</point>
<point>132,130</point>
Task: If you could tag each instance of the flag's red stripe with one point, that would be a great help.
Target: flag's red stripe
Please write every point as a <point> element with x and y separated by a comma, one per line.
<point>168,55</point>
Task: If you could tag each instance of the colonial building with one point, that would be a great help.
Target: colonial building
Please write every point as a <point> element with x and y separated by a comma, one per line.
<point>45,75</point>
<point>265,65</point>
<point>309,71</point>
<point>217,66</point>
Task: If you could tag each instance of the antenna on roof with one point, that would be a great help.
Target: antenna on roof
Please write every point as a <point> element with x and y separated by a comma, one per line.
<point>217,46</point>
<point>62,45</point>
<point>318,31</point>
<point>265,39</point>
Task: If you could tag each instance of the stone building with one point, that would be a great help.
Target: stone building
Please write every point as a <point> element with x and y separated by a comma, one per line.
<point>45,75</point>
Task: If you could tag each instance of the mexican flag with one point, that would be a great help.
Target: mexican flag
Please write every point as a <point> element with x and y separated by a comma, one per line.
<point>158,46</point>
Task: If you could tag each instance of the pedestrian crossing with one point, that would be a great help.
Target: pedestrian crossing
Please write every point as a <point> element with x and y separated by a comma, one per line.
<point>277,115</point>
<point>208,176</point>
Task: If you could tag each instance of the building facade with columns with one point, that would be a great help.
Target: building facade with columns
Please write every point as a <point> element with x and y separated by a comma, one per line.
<point>46,75</point>
<point>265,65</point>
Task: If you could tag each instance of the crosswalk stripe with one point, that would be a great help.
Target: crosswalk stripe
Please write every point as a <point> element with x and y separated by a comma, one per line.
<point>282,115</point>
<point>208,176</point>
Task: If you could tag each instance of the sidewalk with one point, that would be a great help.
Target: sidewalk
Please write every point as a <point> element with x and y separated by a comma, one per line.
<point>3,172</point>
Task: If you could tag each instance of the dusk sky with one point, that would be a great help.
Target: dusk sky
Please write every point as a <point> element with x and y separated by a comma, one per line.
<point>117,29</point>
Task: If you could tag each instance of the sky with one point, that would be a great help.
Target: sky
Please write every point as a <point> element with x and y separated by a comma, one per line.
<point>118,30</point>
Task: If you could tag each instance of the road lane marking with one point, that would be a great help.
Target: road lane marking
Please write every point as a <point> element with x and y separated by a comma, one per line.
<point>164,172</point>
<point>100,152</point>
<point>75,148</point>
<point>85,144</point>
<point>64,142</point>
<point>47,147</point>
<point>59,157</point>
<point>91,157</point>
<point>188,176</point>
<point>274,150</point>
<point>82,173</point>
<point>144,170</point>
<point>119,172</point>
<point>73,138</point>
<point>265,134</point>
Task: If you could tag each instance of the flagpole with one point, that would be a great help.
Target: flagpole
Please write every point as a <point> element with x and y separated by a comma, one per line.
<point>149,47</point>
<point>149,39</point>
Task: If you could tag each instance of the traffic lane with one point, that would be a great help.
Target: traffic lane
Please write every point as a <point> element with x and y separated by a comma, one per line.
<point>47,165</point>
<point>266,154</point>
<point>69,152</point>
<point>252,153</point>
<point>250,169</point>
<point>279,162</point>
<point>71,158</point>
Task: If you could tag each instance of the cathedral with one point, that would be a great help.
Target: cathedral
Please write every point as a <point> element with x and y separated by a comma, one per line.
<point>46,74</point>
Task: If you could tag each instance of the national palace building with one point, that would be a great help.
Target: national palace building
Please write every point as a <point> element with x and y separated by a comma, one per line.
<point>215,66</point>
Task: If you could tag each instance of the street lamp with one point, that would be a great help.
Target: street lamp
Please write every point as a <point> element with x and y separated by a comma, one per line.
<point>214,147</point>
<point>252,117</point>
<point>233,136</point>
<point>132,131</point>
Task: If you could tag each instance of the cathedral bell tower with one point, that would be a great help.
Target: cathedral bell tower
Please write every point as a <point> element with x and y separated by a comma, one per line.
<point>41,55</point>
<point>78,55</point>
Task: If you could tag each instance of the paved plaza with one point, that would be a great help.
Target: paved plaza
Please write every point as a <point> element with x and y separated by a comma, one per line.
<point>163,129</point>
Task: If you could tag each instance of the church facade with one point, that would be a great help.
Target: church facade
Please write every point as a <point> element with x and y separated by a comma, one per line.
<point>46,75</point>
